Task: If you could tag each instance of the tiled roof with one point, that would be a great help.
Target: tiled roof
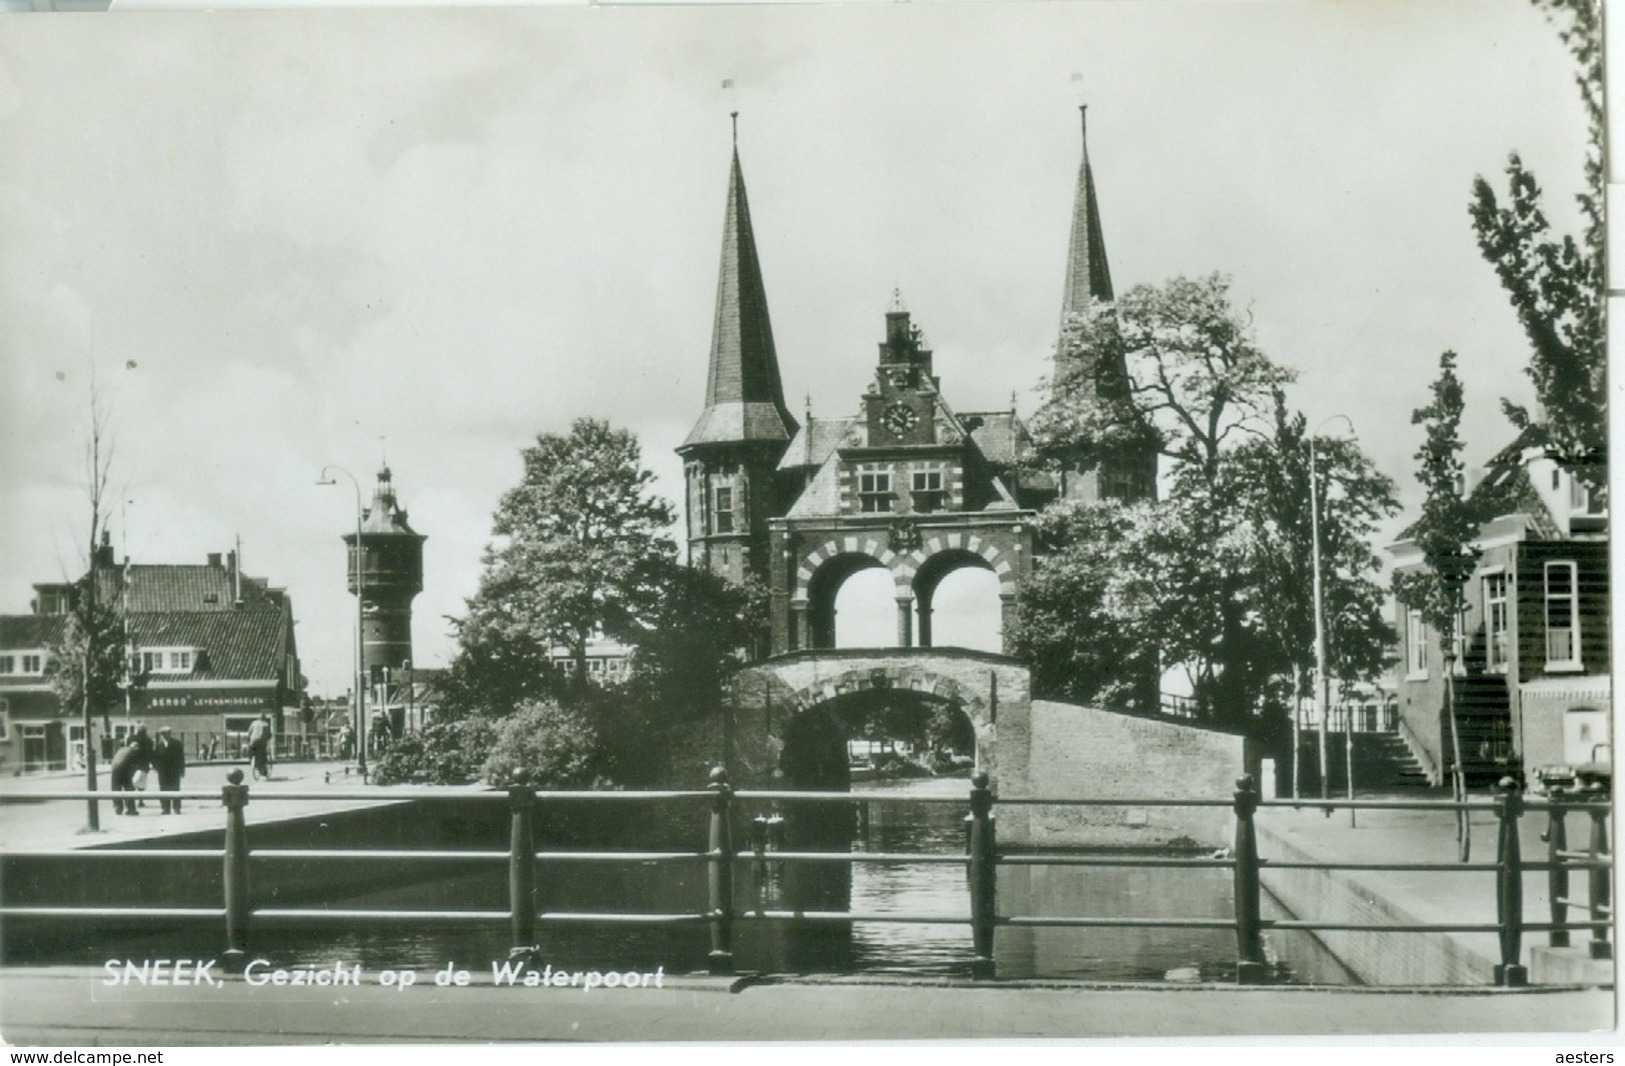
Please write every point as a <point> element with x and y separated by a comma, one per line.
<point>744,398</point>
<point>23,631</point>
<point>822,496</point>
<point>816,441</point>
<point>999,434</point>
<point>244,645</point>
<point>184,588</point>
<point>1508,490</point>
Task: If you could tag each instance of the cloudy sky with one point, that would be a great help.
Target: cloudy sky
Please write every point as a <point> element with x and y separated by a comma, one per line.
<point>287,239</point>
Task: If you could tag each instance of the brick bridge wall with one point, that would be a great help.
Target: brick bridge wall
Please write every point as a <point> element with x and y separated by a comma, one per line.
<point>1028,747</point>
<point>1063,751</point>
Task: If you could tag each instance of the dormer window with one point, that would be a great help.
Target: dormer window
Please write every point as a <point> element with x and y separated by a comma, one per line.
<point>29,663</point>
<point>168,660</point>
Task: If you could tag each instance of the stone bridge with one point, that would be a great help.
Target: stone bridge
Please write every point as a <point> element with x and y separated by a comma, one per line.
<point>1029,748</point>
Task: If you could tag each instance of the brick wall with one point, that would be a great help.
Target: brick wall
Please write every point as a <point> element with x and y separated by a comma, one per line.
<point>1081,753</point>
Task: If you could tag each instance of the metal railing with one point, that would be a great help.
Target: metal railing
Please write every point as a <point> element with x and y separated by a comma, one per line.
<point>981,858</point>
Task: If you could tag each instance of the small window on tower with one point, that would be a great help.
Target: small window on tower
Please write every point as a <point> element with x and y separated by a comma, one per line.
<point>723,513</point>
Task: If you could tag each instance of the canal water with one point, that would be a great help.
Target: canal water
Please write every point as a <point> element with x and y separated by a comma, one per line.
<point>768,945</point>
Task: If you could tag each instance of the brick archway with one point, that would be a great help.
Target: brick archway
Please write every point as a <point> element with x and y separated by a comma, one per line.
<point>767,695</point>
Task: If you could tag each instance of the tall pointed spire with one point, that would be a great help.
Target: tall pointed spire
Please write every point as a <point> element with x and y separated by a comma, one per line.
<point>1088,277</point>
<point>744,398</point>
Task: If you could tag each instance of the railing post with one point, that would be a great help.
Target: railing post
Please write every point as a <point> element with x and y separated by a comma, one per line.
<point>1557,871</point>
<point>234,795</point>
<point>983,876</point>
<point>1599,879</point>
<point>721,881</point>
<point>1250,965</point>
<point>522,864</point>
<point>1509,886</point>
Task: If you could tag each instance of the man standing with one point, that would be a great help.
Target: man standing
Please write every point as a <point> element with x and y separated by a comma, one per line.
<point>122,772</point>
<point>259,746</point>
<point>169,760</point>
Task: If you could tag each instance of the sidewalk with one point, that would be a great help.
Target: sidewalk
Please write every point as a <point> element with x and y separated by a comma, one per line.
<point>1447,896</point>
<point>62,1006</point>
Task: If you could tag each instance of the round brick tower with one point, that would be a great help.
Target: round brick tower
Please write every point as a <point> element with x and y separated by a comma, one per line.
<point>391,557</point>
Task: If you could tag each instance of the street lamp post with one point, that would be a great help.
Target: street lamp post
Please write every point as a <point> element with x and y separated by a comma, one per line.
<point>360,617</point>
<point>1323,678</point>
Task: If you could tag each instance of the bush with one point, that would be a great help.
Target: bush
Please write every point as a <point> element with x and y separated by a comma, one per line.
<point>445,753</point>
<point>552,746</point>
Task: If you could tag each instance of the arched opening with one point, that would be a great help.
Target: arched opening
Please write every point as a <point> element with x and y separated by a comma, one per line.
<point>851,603</point>
<point>956,594</point>
<point>904,734</point>
<point>896,733</point>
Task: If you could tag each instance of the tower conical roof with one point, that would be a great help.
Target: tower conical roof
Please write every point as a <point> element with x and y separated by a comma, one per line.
<point>744,398</point>
<point>1088,276</point>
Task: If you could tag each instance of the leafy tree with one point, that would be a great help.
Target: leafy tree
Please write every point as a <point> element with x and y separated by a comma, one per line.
<point>1215,577</point>
<point>689,638</point>
<point>1192,379</point>
<point>1074,625</point>
<point>1444,532</point>
<point>1269,479</point>
<point>550,745</point>
<point>1556,283</point>
<point>444,753</point>
<point>496,669</point>
<point>581,540</point>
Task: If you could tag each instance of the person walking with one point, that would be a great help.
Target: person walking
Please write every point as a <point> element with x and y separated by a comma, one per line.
<point>259,747</point>
<point>122,772</point>
<point>169,761</point>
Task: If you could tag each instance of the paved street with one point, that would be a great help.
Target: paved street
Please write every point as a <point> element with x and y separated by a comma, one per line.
<point>70,1006</point>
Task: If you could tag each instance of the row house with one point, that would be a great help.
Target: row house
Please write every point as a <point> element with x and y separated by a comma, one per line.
<point>1530,674</point>
<point>210,649</point>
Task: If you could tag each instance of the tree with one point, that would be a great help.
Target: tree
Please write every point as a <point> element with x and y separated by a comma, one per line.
<point>549,745</point>
<point>1269,479</point>
<point>1215,576</point>
<point>88,661</point>
<point>1073,625</point>
<point>1445,533</point>
<point>1192,379</point>
<point>1556,283</point>
<point>690,638</point>
<point>582,539</point>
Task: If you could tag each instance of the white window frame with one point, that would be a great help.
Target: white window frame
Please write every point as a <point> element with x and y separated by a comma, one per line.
<point>168,660</point>
<point>875,492</point>
<point>1572,662</point>
<point>5,719</point>
<point>1497,607</point>
<point>720,494</point>
<point>1416,646</point>
<point>16,663</point>
<point>929,484</point>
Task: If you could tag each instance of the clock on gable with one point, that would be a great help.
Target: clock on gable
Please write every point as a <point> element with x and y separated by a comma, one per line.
<point>899,418</point>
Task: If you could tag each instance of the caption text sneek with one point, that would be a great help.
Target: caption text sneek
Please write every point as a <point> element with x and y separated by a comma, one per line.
<point>193,972</point>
